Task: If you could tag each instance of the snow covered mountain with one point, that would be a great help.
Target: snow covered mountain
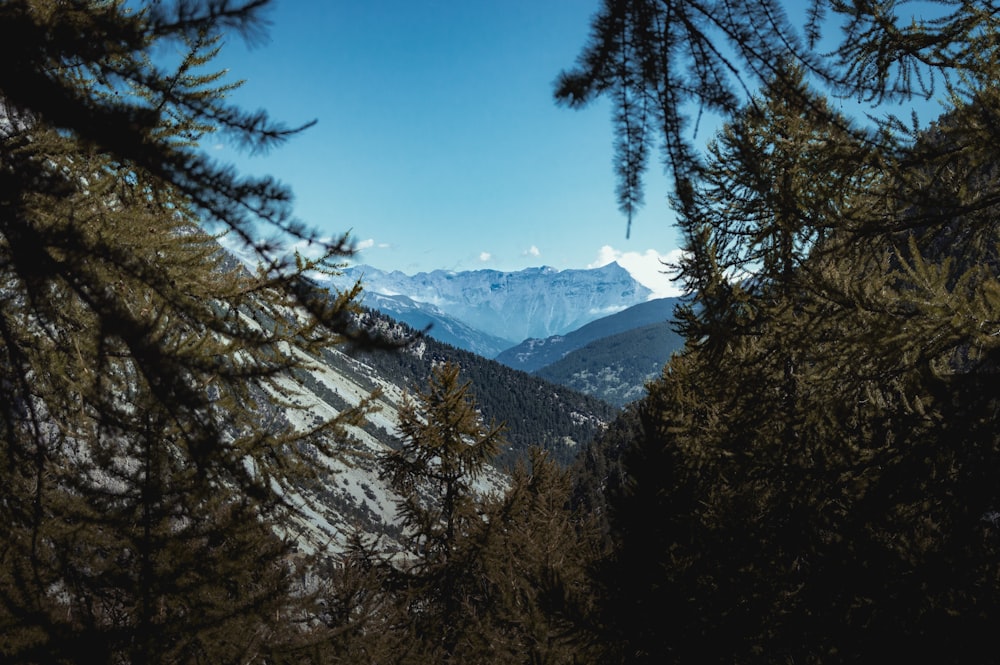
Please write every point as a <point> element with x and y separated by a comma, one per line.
<point>351,495</point>
<point>509,306</point>
<point>444,328</point>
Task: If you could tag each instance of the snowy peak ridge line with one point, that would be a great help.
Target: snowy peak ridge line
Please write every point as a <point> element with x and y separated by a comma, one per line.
<point>512,306</point>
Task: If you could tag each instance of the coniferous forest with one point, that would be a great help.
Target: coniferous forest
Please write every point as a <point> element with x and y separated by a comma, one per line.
<point>813,479</point>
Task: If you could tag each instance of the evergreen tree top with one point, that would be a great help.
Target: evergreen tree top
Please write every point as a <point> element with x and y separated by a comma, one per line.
<point>663,62</point>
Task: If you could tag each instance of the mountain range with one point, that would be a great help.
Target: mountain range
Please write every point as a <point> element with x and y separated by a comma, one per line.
<point>593,330</point>
<point>488,311</point>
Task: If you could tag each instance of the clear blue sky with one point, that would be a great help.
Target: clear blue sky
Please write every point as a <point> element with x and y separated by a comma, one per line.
<point>438,143</point>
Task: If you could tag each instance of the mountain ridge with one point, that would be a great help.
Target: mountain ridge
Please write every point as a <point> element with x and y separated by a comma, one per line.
<point>512,306</point>
<point>534,354</point>
<point>616,368</point>
<point>351,494</point>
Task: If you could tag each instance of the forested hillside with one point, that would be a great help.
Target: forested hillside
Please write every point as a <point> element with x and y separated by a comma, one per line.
<point>534,354</point>
<point>534,412</point>
<point>616,368</point>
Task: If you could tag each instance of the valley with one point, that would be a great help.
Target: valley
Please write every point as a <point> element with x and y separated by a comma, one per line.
<point>350,494</point>
<point>596,331</point>
<point>222,442</point>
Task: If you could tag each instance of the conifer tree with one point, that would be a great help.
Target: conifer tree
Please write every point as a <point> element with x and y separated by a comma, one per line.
<point>140,484</point>
<point>665,63</point>
<point>835,543</point>
<point>485,577</point>
<point>445,449</point>
<point>536,549</point>
<point>845,514</point>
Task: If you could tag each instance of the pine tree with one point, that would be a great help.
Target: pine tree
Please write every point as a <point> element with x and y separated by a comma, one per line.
<point>536,549</point>
<point>817,462</point>
<point>485,577</point>
<point>664,63</point>
<point>140,485</point>
<point>445,449</point>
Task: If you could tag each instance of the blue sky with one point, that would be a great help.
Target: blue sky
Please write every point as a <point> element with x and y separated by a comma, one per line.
<point>438,143</point>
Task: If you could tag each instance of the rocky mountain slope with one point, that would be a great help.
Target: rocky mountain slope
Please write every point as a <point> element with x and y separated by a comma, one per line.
<point>349,494</point>
<point>510,306</point>
<point>438,324</point>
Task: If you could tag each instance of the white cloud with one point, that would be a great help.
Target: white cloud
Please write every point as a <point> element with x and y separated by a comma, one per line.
<point>532,251</point>
<point>310,250</point>
<point>361,246</point>
<point>485,256</point>
<point>646,267</point>
<point>605,255</point>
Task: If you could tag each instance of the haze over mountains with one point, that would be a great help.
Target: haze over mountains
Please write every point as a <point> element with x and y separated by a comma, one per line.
<point>595,330</point>
<point>573,314</point>
<point>487,311</point>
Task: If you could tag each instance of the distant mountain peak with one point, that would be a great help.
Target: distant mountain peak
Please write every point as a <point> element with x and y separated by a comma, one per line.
<point>612,268</point>
<point>534,302</point>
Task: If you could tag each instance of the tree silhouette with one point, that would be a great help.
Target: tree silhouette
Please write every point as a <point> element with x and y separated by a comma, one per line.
<point>144,459</point>
<point>810,482</point>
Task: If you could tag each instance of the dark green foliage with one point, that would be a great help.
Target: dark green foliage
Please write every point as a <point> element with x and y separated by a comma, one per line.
<point>813,479</point>
<point>815,476</point>
<point>616,368</point>
<point>536,550</point>
<point>497,577</point>
<point>533,412</point>
<point>445,449</point>
<point>599,474</point>
<point>662,61</point>
<point>139,490</point>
